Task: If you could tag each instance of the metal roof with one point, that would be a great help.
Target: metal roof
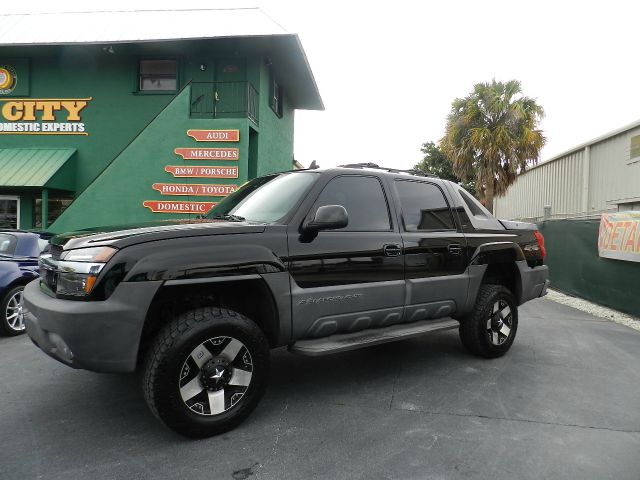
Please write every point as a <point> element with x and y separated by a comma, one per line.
<point>31,167</point>
<point>257,29</point>
<point>589,143</point>
<point>134,26</point>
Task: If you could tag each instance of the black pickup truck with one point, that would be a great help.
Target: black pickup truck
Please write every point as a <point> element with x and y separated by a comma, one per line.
<point>321,261</point>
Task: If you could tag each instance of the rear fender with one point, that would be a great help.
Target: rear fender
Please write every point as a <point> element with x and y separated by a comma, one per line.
<point>493,253</point>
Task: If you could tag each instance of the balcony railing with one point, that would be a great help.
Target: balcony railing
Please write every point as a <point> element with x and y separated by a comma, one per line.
<point>224,100</point>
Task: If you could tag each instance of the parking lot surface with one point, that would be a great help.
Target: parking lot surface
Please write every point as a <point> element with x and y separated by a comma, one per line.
<point>563,403</point>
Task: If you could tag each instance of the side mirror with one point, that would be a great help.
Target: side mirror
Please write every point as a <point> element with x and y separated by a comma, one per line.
<point>328,217</point>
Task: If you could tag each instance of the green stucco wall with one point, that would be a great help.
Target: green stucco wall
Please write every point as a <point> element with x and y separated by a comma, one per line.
<point>275,142</point>
<point>575,267</point>
<point>132,134</point>
<point>113,116</point>
<point>116,197</point>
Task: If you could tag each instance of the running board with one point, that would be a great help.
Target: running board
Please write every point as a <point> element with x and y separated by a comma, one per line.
<point>343,342</point>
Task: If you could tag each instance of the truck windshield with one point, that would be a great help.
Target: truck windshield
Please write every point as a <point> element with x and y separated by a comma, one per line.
<point>265,199</point>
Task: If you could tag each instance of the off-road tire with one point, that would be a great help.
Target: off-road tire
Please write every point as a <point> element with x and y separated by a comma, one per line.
<point>5,328</point>
<point>168,353</point>
<point>473,328</point>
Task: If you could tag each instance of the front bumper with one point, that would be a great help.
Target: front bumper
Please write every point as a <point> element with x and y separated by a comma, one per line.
<point>533,282</point>
<point>100,336</point>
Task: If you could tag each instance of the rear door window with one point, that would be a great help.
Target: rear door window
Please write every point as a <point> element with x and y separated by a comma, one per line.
<point>424,206</point>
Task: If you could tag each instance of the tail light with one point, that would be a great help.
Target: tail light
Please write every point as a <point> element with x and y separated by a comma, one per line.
<point>540,239</point>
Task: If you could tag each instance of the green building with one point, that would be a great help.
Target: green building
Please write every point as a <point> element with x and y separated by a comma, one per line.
<point>116,117</point>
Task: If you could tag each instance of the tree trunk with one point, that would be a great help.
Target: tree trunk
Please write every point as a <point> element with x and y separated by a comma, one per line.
<point>488,195</point>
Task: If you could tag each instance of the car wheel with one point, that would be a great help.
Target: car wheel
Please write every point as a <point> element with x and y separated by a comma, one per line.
<point>11,313</point>
<point>491,327</point>
<point>206,371</point>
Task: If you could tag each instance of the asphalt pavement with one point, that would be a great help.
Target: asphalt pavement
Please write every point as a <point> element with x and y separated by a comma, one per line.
<point>563,403</point>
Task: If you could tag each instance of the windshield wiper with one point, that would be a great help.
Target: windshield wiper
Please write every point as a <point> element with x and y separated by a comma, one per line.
<point>227,216</point>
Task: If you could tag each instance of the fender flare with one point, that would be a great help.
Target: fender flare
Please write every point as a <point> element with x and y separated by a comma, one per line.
<point>480,261</point>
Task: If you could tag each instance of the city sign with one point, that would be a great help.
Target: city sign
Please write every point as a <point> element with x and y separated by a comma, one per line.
<point>42,116</point>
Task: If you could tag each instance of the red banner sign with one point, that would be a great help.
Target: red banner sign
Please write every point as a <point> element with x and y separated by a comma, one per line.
<point>215,135</point>
<point>208,153</point>
<point>192,208</point>
<point>196,189</point>
<point>202,171</point>
<point>619,236</point>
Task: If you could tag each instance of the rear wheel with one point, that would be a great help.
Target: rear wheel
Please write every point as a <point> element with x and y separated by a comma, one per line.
<point>490,329</point>
<point>11,313</point>
<point>206,371</point>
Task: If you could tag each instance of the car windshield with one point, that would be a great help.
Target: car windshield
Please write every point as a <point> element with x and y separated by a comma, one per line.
<point>265,199</point>
<point>7,244</point>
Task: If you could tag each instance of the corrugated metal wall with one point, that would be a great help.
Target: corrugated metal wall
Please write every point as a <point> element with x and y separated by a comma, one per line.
<point>559,182</point>
<point>613,176</point>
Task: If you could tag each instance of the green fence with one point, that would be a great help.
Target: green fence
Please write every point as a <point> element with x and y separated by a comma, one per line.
<point>576,269</point>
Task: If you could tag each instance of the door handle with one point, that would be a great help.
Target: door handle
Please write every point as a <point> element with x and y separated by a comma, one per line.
<point>455,249</point>
<point>392,250</point>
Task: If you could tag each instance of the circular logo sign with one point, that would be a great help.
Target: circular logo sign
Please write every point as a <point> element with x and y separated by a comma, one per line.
<point>8,79</point>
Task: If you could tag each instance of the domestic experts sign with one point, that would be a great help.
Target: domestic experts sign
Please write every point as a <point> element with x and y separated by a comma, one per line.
<point>619,236</point>
<point>42,116</point>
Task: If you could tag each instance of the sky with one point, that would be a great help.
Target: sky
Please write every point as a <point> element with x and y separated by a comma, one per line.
<point>388,71</point>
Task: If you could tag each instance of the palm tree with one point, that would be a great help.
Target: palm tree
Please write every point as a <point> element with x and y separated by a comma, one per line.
<point>494,132</point>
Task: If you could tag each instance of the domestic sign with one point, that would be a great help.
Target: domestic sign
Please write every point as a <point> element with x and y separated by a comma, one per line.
<point>193,208</point>
<point>215,135</point>
<point>202,171</point>
<point>42,116</point>
<point>208,153</point>
<point>619,236</point>
<point>195,189</point>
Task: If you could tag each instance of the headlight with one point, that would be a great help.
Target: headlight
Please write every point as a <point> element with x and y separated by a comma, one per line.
<point>78,269</point>
<point>93,254</point>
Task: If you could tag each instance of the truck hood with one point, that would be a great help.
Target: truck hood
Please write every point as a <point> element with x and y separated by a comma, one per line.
<point>124,235</point>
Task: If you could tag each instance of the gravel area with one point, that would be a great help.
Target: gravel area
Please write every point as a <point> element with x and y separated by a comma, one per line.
<point>594,309</point>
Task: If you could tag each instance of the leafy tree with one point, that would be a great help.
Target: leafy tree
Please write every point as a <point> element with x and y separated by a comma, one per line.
<point>437,163</point>
<point>494,132</point>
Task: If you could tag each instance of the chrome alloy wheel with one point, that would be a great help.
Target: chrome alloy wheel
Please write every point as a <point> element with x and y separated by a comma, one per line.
<point>215,376</point>
<point>15,312</point>
<point>499,323</point>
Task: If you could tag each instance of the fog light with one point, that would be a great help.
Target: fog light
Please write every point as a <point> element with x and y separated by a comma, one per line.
<point>60,349</point>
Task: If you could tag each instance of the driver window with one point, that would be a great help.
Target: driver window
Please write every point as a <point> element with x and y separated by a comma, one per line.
<point>364,200</point>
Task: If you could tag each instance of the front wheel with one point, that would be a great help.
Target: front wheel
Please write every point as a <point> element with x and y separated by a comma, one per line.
<point>206,371</point>
<point>491,327</point>
<point>11,313</point>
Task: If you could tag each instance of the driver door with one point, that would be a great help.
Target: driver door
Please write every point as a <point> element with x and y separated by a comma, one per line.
<point>351,278</point>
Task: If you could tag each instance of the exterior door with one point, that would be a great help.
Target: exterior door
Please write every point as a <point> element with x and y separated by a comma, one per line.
<point>9,212</point>
<point>352,278</point>
<point>230,92</point>
<point>435,262</point>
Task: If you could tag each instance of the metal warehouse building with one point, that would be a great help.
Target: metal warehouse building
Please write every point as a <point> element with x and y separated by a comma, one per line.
<point>598,176</point>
